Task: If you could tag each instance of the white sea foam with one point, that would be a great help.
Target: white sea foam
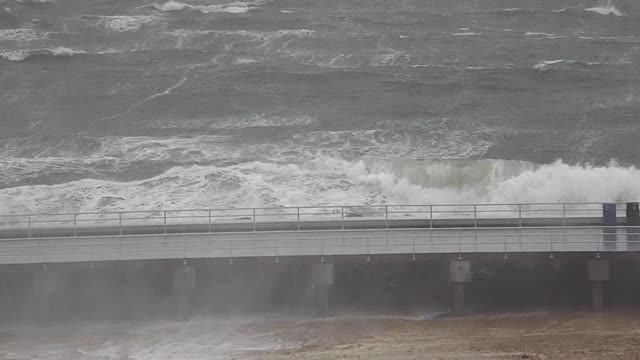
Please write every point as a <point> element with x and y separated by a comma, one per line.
<point>331,181</point>
<point>264,39</point>
<point>125,23</point>
<point>543,35</point>
<point>23,34</point>
<point>547,64</point>
<point>605,7</point>
<point>396,58</point>
<point>466,33</point>
<point>14,55</point>
<point>200,338</point>
<point>20,55</point>
<point>236,7</point>
<point>255,120</point>
<point>244,61</point>
<point>65,51</point>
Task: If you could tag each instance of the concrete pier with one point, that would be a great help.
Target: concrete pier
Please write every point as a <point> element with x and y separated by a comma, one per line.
<point>598,273</point>
<point>184,285</point>
<point>322,278</point>
<point>459,275</point>
<point>44,286</point>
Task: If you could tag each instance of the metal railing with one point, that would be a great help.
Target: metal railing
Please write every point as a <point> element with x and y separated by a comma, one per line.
<point>300,218</point>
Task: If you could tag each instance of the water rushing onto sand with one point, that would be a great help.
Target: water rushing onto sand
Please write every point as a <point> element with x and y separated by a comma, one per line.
<point>541,335</point>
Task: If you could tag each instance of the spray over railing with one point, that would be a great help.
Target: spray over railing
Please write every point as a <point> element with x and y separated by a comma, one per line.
<point>305,218</point>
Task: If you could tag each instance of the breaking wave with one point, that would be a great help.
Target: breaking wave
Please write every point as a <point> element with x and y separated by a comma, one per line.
<point>605,7</point>
<point>547,65</point>
<point>237,7</point>
<point>20,55</point>
<point>333,181</point>
<point>22,34</point>
<point>123,23</point>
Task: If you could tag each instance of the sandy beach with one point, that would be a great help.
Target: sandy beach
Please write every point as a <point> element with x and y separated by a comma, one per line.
<point>579,336</point>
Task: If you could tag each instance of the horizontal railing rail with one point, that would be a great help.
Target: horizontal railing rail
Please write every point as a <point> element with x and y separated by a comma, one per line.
<point>300,217</point>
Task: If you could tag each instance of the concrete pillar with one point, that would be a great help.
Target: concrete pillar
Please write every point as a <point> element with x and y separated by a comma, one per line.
<point>138,292</point>
<point>45,284</point>
<point>459,275</point>
<point>598,273</point>
<point>184,285</point>
<point>322,277</point>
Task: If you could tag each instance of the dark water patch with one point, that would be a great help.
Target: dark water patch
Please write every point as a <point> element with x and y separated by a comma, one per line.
<point>8,20</point>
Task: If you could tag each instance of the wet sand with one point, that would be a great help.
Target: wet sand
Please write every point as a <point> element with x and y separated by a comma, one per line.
<point>542,335</point>
<point>579,336</point>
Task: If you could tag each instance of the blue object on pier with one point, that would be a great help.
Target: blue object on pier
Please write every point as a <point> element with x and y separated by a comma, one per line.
<point>609,216</point>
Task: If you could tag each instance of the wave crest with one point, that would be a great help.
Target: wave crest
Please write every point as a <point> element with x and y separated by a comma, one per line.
<point>236,7</point>
<point>605,7</point>
<point>124,23</point>
<point>333,181</point>
<point>20,55</point>
<point>22,34</point>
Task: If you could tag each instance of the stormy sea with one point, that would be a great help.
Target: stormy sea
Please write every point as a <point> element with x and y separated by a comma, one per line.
<point>136,104</point>
<point>115,105</point>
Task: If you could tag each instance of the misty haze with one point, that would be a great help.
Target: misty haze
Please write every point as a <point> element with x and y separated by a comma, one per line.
<point>298,179</point>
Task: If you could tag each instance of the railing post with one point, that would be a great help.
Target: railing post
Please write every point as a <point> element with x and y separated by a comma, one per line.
<point>564,214</point>
<point>254,219</point>
<point>298,222</point>
<point>209,220</point>
<point>342,213</point>
<point>120,223</point>
<point>29,226</point>
<point>75,224</point>
<point>431,216</point>
<point>386,216</point>
<point>519,215</point>
<point>475,215</point>
<point>165,221</point>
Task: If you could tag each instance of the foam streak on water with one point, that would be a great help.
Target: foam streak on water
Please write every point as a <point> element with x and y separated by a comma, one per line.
<point>219,103</point>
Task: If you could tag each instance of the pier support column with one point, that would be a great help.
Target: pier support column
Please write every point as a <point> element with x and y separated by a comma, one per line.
<point>322,278</point>
<point>138,292</point>
<point>184,285</point>
<point>459,275</point>
<point>598,272</point>
<point>45,284</point>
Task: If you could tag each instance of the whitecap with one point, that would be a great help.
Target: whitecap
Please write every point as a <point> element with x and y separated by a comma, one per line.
<point>542,35</point>
<point>64,51</point>
<point>244,61</point>
<point>334,181</point>
<point>124,23</point>
<point>23,34</point>
<point>468,33</point>
<point>546,64</point>
<point>398,58</point>
<point>605,7</point>
<point>14,55</point>
<point>236,7</point>
<point>20,55</point>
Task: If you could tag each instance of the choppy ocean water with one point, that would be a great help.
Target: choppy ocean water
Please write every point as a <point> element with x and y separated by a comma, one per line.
<point>111,105</point>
